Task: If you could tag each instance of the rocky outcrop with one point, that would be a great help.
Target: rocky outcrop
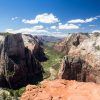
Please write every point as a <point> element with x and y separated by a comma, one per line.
<point>88,54</point>
<point>19,61</point>
<point>35,46</point>
<point>71,40</point>
<point>62,90</point>
<point>89,50</point>
<point>74,68</point>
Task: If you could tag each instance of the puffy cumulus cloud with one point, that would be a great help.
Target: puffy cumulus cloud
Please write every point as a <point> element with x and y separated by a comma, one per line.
<point>29,21</point>
<point>14,18</point>
<point>82,20</point>
<point>67,26</point>
<point>43,18</point>
<point>98,31</point>
<point>35,29</point>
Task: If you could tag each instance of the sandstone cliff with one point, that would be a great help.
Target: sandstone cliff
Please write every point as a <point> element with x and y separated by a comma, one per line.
<point>71,40</point>
<point>75,68</point>
<point>89,53</point>
<point>19,60</point>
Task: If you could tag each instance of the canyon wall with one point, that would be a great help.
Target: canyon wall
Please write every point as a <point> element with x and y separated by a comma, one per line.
<point>82,61</point>
<point>20,57</point>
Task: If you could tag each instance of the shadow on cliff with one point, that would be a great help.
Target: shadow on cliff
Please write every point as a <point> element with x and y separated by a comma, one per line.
<point>75,68</point>
<point>19,65</point>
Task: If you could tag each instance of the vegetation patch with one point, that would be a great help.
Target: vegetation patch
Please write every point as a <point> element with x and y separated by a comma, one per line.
<point>13,94</point>
<point>54,59</point>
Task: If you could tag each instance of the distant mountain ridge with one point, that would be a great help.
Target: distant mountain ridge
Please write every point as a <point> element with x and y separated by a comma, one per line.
<point>45,38</point>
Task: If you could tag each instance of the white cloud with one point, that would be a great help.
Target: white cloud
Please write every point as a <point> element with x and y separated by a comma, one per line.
<point>14,18</point>
<point>68,26</point>
<point>43,18</point>
<point>35,29</point>
<point>90,19</point>
<point>76,21</point>
<point>53,27</point>
<point>82,20</point>
<point>29,21</point>
<point>96,31</point>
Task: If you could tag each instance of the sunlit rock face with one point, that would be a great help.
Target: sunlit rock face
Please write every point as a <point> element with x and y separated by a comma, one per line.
<point>75,68</point>
<point>34,45</point>
<point>89,49</point>
<point>19,63</point>
<point>72,40</point>
<point>62,90</point>
<point>89,63</point>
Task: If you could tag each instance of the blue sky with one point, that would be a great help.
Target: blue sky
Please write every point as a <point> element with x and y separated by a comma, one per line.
<point>49,17</point>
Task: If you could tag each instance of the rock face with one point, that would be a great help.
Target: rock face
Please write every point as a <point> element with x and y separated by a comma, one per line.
<point>89,50</point>
<point>71,40</point>
<point>19,63</point>
<point>89,53</point>
<point>34,45</point>
<point>74,68</point>
<point>62,90</point>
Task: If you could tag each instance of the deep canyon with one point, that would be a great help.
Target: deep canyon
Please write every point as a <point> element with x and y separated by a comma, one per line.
<point>74,61</point>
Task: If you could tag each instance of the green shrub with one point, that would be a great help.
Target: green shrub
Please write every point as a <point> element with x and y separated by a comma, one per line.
<point>15,93</point>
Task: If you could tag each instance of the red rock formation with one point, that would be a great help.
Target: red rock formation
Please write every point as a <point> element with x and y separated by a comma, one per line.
<point>62,90</point>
